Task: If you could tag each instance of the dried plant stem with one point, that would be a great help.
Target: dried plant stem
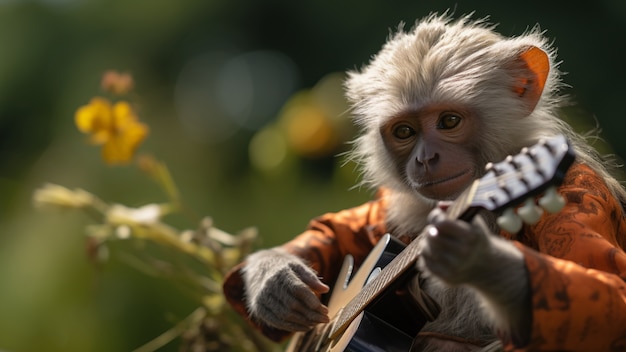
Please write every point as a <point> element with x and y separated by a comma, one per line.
<point>168,336</point>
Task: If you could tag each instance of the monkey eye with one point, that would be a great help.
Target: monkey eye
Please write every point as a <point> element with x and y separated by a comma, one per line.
<point>403,132</point>
<point>448,121</point>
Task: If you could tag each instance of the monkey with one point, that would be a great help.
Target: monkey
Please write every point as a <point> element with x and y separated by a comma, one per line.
<point>434,106</point>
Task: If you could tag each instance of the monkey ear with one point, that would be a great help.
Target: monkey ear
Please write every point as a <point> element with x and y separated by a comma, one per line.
<point>531,80</point>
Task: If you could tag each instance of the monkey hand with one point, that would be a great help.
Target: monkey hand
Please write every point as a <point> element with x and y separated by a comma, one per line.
<point>460,253</point>
<point>282,290</point>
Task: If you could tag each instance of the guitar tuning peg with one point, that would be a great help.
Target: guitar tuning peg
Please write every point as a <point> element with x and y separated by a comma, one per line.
<point>509,222</point>
<point>529,212</point>
<point>552,201</point>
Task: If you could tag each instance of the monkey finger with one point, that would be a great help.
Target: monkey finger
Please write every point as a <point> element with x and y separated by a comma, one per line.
<point>448,226</point>
<point>284,320</point>
<point>440,258</point>
<point>304,297</point>
<point>310,279</point>
<point>459,254</point>
<point>301,316</point>
<point>445,268</point>
<point>449,253</point>
<point>286,312</point>
<point>452,246</point>
<point>436,215</point>
<point>459,232</point>
<point>432,265</point>
<point>440,242</point>
<point>309,316</point>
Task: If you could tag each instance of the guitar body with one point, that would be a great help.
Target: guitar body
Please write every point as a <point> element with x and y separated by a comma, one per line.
<point>387,324</point>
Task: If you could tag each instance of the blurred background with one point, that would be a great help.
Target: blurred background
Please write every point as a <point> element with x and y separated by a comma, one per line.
<point>244,103</point>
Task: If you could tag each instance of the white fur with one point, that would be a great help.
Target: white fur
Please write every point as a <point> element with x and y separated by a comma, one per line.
<point>462,313</point>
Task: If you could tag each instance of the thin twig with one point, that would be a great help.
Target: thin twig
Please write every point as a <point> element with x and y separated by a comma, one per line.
<point>168,336</point>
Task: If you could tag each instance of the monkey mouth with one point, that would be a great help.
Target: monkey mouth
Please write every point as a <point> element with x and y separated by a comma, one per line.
<point>443,180</point>
<point>445,188</point>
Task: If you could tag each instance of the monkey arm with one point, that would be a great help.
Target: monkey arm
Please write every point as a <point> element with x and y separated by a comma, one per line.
<point>322,246</point>
<point>577,267</point>
<point>574,308</point>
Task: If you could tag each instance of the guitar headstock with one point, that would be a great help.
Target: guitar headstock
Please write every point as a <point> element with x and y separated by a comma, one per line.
<point>535,170</point>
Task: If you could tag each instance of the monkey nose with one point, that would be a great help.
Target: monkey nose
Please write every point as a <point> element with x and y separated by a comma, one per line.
<point>427,161</point>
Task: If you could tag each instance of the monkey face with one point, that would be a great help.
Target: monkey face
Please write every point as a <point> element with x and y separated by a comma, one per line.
<point>433,151</point>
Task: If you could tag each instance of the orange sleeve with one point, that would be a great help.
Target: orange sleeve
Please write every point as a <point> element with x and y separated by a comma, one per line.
<point>323,246</point>
<point>577,268</point>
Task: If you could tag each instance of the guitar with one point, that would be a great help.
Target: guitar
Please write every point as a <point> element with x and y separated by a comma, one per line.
<point>365,310</point>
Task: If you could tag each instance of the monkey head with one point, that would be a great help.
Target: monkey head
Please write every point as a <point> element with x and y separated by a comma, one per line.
<point>439,102</point>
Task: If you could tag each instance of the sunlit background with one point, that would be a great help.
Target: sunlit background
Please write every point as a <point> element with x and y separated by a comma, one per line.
<point>244,104</point>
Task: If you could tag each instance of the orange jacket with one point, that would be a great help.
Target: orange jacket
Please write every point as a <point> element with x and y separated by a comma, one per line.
<point>575,261</point>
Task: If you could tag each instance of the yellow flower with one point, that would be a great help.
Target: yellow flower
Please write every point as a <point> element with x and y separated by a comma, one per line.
<point>115,127</point>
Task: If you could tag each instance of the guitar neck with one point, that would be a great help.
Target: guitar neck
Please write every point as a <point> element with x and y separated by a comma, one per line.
<point>396,268</point>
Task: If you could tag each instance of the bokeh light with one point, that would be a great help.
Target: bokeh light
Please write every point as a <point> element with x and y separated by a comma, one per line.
<point>217,94</point>
<point>268,149</point>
